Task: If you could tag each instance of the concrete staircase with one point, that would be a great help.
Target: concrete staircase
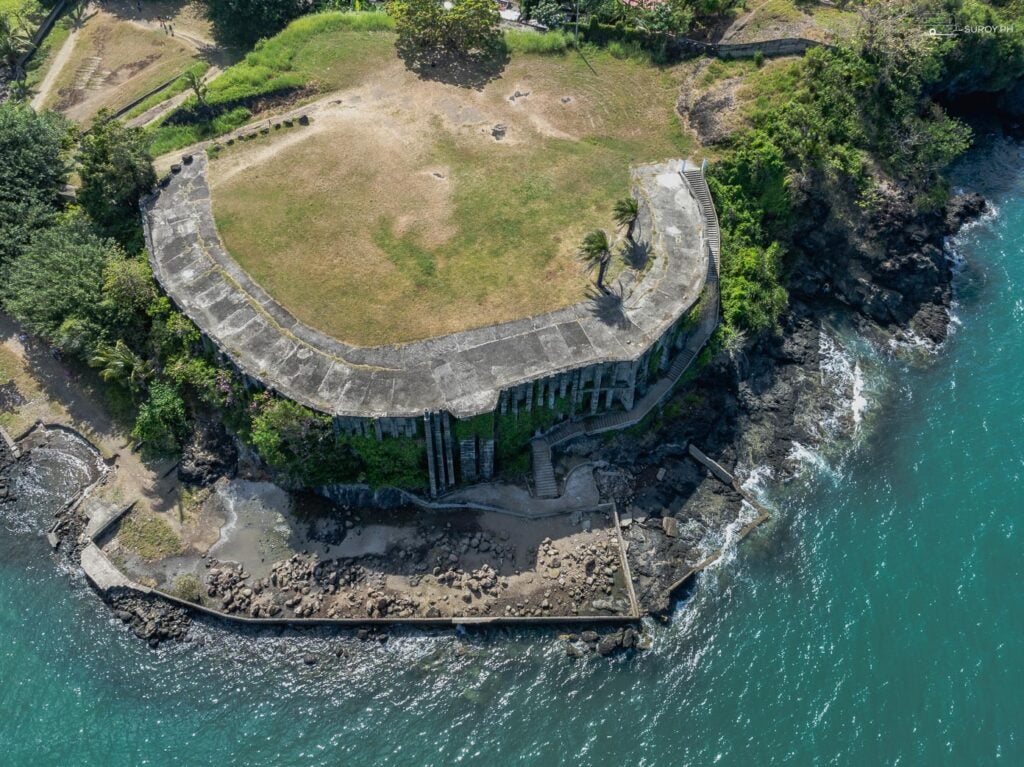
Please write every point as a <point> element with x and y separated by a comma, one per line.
<point>544,482</point>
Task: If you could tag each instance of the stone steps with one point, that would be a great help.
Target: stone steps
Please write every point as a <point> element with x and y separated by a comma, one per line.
<point>544,484</point>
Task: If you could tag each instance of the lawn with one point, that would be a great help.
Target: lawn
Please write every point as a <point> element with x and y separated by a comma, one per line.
<point>397,215</point>
<point>148,536</point>
<point>786,18</point>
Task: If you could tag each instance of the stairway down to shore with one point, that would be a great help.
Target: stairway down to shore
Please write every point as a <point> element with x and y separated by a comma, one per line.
<point>544,484</point>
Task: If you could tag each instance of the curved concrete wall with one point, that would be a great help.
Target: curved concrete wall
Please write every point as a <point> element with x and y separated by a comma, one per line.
<point>604,347</point>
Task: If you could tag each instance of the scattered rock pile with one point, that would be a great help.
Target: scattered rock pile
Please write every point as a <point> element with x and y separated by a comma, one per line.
<point>152,620</point>
<point>628,638</point>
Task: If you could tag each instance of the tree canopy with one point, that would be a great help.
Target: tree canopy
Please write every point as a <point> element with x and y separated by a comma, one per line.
<point>60,275</point>
<point>470,26</point>
<point>116,170</point>
<point>244,22</point>
<point>33,168</point>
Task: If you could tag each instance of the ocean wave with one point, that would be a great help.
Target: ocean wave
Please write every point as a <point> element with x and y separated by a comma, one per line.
<point>843,376</point>
<point>811,459</point>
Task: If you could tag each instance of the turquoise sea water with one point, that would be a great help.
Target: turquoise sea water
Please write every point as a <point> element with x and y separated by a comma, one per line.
<point>877,620</point>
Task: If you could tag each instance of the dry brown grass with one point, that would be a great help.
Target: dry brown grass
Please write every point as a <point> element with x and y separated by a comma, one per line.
<point>114,61</point>
<point>397,215</point>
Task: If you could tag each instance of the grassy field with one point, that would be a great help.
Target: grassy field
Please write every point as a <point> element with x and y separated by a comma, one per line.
<point>786,18</point>
<point>397,215</point>
<point>148,536</point>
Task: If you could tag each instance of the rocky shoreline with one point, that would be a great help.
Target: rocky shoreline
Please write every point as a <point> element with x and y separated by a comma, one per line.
<point>891,282</point>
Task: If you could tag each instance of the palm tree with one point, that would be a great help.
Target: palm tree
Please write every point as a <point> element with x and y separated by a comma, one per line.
<point>625,212</point>
<point>595,253</point>
<point>15,39</point>
<point>119,363</point>
<point>198,86</point>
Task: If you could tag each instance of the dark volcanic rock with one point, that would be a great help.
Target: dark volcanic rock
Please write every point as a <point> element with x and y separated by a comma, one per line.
<point>209,455</point>
<point>150,618</point>
<point>962,209</point>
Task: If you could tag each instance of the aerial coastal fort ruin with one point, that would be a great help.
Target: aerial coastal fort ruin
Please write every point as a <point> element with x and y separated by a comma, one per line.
<point>595,366</point>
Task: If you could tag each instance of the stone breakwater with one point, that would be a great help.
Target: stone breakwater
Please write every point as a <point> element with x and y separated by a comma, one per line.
<point>576,582</point>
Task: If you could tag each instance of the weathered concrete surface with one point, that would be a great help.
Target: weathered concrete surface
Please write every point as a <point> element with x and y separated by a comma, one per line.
<point>102,573</point>
<point>463,373</point>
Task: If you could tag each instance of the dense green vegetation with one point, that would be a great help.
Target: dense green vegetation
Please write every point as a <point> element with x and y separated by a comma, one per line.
<point>303,446</point>
<point>837,124</point>
<point>466,27</point>
<point>243,22</point>
<point>675,16</point>
<point>93,297</point>
<point>34,148</point>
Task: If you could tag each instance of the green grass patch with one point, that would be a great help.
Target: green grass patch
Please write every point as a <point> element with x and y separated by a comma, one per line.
<point>314,54</point>
<point>541,43</point>
<point>455,230</point>
<point>149,537</point>
<point>187,587</point>
<point>178,86</point>
<point>28,9</point>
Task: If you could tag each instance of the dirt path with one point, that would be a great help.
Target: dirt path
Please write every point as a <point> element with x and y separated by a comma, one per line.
<point>196,42</point>
<point>59,61</point>
<point>741,23</point>
<point>164,162</point>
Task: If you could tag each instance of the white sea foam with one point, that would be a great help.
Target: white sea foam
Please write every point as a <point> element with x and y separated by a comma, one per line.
<point>859,403</point>
<point>841,373</point>
<point>757,480</point>
<point>813,460</point>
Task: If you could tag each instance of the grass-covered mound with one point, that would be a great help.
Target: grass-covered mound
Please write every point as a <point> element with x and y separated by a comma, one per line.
<point>314,54</point>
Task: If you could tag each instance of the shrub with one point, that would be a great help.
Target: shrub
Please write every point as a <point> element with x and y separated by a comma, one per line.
<point>161,422</point>
<point>187,587</point>
<point>393,461</point>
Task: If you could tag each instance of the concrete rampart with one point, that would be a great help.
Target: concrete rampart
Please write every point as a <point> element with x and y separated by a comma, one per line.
<point>589,349</point>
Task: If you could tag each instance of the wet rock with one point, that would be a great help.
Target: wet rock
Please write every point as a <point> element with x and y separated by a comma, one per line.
<point>608,644</point>
<point>209,455</point>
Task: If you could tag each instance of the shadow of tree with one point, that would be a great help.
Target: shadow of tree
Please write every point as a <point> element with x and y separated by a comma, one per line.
<point>464,70</point>
<point>636,254</point>
<point>607,307</point>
